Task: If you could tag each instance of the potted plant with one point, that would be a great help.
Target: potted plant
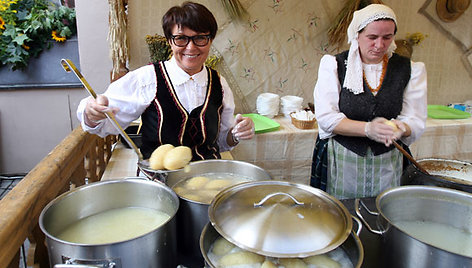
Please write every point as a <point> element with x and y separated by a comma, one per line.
<point>27,27</point>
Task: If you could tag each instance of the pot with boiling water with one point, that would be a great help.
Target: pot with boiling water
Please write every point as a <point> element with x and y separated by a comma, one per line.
<point>204,177</point>
<point>116,223</point>
<point>423,227</point>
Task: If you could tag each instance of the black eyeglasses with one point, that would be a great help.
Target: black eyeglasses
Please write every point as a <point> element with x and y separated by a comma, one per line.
<point>198,40</point>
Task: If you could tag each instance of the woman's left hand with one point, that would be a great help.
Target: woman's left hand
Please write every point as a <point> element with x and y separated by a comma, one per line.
<point>243,128</point>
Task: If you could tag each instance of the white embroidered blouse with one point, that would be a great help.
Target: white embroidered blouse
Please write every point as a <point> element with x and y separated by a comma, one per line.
<point>134,92</point>
<point>327,88</point>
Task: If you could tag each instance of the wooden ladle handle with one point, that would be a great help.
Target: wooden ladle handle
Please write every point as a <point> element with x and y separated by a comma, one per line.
<point>405,153</point>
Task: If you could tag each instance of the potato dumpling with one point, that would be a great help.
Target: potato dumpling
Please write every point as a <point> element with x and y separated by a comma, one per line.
<point>218,184</point>
<point>193,197</point>
<point>268,264</point>
<point>156,160</point>
<point>322,261</point>
<point>392,124</point>
<point>222,246</point>
<point>207,195</point>
<point>184,193</point>
<point>179,190</point>
<point>240,258</point>
<point>293,263</point>
<point>177,158</point>
<point>196,183</point>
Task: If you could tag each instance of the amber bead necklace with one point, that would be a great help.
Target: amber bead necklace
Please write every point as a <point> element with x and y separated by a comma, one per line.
<point>384,70</point>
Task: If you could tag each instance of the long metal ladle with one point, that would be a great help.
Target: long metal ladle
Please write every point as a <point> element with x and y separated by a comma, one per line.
<point>69,66</point>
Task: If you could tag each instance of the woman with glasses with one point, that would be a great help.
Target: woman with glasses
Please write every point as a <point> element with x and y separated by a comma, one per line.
<point>180,101</point>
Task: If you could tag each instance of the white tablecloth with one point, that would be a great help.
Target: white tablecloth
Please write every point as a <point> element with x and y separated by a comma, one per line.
<point>287,153</point>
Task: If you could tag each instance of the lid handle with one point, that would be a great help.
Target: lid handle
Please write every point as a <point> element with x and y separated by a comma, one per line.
<point>277,193</point>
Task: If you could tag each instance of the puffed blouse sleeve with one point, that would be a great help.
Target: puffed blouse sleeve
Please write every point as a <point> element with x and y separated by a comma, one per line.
<point>132,94</point>
<point>326,97</point>
<point>227,116</point>
<point>414,110</point>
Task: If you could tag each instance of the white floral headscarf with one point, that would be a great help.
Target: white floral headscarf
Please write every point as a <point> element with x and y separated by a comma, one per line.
<point>353,79</point>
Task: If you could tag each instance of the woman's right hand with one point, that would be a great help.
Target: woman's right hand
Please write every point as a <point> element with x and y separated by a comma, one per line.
<point>95,110</point>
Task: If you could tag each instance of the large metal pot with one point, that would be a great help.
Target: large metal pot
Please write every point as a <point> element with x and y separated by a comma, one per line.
<point>192,216</point>
<point>429,206</point>
<point>452,174</point>
<point>154,249</point>
<point>352,246</point>
<point>281,219</point>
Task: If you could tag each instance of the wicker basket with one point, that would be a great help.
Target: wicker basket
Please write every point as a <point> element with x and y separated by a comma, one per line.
<point>303,124</point>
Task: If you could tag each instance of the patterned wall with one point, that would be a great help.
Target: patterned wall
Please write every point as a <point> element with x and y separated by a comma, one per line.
<point>279,48</point>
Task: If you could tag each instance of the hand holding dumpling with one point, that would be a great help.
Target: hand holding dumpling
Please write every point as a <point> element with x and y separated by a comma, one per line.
<point>382,131</point>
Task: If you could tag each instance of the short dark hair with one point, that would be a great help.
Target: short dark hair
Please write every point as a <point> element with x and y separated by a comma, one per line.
<point>191,15</point>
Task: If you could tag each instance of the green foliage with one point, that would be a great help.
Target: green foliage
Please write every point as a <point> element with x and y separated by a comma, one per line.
<point>27,28</point>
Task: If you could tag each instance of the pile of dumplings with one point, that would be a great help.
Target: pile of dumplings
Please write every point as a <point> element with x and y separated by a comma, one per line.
<point>223,254</point>
<point>204,188</point>
<point>169,157</point>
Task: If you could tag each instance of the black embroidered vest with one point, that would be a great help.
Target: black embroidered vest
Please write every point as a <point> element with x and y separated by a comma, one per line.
<point>365,106</point>
<point>166,121</point>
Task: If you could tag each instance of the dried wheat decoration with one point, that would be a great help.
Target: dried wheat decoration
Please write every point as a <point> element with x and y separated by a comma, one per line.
<point>338,31</point>
<point>117,36</point>
<point>234,9</point>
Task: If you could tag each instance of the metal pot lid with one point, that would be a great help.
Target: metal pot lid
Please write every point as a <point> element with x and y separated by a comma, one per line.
<point>280,219</point>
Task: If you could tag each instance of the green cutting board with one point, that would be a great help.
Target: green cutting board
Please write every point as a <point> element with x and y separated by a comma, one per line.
<point>263,124</point>
<point>444,112</point>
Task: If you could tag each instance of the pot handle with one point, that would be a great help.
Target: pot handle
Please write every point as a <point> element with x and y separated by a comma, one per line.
<point>260,203</point>
<point>357,206</point>
<point>75,263</point>
<point>75,266</point>
<point>359,224</point>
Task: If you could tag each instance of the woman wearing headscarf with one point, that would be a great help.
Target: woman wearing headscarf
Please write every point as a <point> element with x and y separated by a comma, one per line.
<point>180,101</point>
<point>358,91</point>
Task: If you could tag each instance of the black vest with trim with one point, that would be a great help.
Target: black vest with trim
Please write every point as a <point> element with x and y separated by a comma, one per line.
<point>166,121</point>
<point>365,106</point>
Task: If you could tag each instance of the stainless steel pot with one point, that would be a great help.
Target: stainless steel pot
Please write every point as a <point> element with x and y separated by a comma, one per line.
<point>352,246</point>
<point>427,204</point>
<point>154,249</point>
<point>192,216</point>
<point>280,219</point>
<point>452,174</point>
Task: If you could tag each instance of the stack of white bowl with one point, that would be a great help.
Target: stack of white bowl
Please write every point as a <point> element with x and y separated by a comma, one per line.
<point>267,104</point>
<point>290,104</point>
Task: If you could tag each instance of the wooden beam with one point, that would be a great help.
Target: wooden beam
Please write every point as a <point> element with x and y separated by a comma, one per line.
<point>22,206</point>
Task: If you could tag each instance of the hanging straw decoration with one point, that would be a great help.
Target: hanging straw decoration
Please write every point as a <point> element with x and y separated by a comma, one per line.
<point>117,37</point>
<point>234,9</point>
<point>338,31</point>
